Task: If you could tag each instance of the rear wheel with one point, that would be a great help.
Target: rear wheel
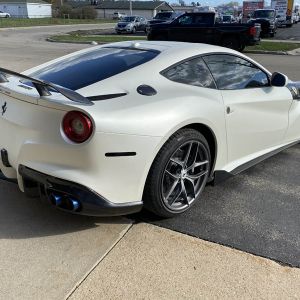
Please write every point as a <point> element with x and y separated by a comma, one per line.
<point>161,37</point>
<point>178,174</point>
<point>232,43</point>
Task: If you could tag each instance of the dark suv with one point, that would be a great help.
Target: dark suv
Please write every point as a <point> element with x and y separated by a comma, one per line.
<point>164,16</point>
<point>267,19</point>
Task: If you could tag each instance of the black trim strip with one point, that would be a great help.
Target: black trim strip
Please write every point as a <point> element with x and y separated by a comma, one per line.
<point>116,154</point>
<point>4,158</point>
<point>3,177</point>
<point>259,159</point>
<point>222,175</point>
<point>106,97</point>
<point>92,204</point>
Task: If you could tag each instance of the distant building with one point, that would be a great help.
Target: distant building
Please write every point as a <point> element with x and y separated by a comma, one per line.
<point>185,8</point>
<point>26,8</point>
<point>147,9</point>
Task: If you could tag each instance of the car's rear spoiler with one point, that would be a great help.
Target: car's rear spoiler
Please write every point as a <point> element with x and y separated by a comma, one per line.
<point>43,87</point>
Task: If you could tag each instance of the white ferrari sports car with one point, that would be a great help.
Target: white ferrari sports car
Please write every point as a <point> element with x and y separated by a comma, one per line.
<point>112,128</point>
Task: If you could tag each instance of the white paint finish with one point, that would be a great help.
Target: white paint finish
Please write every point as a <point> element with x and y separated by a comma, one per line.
<point>258,119</point>
<point>142,124</point>
<point>294,122</point>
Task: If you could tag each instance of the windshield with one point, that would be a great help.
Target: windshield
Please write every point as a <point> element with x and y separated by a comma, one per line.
<point>163,16</point>
<point>84,69</point>
<point>267,14</point>
<point>128,19</point>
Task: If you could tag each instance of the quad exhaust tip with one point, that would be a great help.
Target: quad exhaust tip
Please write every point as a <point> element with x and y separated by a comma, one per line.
<point>64,202</point>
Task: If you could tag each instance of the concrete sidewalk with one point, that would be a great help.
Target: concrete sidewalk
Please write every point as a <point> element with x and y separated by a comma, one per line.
<point>156,263</point>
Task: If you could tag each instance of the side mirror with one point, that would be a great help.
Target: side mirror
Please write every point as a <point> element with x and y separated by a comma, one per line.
<point>279,79</point>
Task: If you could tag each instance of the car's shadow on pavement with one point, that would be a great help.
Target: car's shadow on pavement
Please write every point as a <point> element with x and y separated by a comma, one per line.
<point>257,211</point>
<point>22,217</point>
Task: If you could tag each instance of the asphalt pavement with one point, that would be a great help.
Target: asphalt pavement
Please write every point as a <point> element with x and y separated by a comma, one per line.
<point>256,211</point>
<point>286,33</point>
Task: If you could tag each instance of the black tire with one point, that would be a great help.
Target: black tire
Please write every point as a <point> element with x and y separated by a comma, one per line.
<point>272,34</point>
<point>186,188</point>
<point>232,43</point>
<point>161,37</point>
<point>242,48</point>
<point>7,16</point>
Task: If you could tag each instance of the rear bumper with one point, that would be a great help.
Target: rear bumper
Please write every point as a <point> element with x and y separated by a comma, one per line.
<point>90,202</point>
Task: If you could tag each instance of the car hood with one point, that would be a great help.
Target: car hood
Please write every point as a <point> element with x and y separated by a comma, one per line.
<point>261,20</point>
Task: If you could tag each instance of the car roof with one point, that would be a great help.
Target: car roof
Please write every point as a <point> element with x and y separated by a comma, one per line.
<point>170,53</point>
<point>167,47</point>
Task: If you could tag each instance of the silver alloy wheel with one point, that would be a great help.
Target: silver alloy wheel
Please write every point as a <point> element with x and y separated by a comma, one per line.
<point>185,175</point>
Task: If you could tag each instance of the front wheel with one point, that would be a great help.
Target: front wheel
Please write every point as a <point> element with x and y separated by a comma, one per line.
<point>178,175</point>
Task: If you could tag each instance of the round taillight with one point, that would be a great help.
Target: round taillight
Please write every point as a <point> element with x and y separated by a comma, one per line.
<point>77,126</point>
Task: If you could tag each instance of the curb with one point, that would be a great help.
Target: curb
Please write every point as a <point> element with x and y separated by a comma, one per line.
<point>69,42</point>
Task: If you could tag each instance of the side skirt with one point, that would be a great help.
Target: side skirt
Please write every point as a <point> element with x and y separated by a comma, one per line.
<point>222,175</point>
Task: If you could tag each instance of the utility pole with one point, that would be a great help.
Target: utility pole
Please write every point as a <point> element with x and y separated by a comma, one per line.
<point>130,7</point>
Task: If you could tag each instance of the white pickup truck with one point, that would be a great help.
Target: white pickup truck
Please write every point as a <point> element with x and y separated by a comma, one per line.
<point>4,14</point>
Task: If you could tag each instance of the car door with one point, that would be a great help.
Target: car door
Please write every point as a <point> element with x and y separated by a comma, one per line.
<point>256,113</point>
<point>293,133</point>
<point>180,28</point>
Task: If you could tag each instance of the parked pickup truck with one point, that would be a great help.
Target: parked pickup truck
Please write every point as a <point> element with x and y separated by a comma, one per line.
<point>201,27</point>
<point>267,19</point>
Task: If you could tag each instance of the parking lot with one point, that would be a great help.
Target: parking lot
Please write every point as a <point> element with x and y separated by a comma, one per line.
<point>292,33</point>
<point>45,253</point>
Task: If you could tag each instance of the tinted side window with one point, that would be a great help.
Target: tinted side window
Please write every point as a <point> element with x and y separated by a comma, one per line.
<point>192,72</point>
<point>232,73</point>
<point>185,20</point>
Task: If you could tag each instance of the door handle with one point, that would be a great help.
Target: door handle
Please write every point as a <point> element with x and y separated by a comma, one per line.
<point>228,110</point>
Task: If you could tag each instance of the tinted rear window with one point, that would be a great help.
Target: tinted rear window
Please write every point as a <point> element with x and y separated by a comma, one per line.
<point>87,68</point>
<point>163,16</point>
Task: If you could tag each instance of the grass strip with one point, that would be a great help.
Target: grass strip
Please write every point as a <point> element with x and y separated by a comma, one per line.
<point>274,46</point>
<point>78,38</point>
